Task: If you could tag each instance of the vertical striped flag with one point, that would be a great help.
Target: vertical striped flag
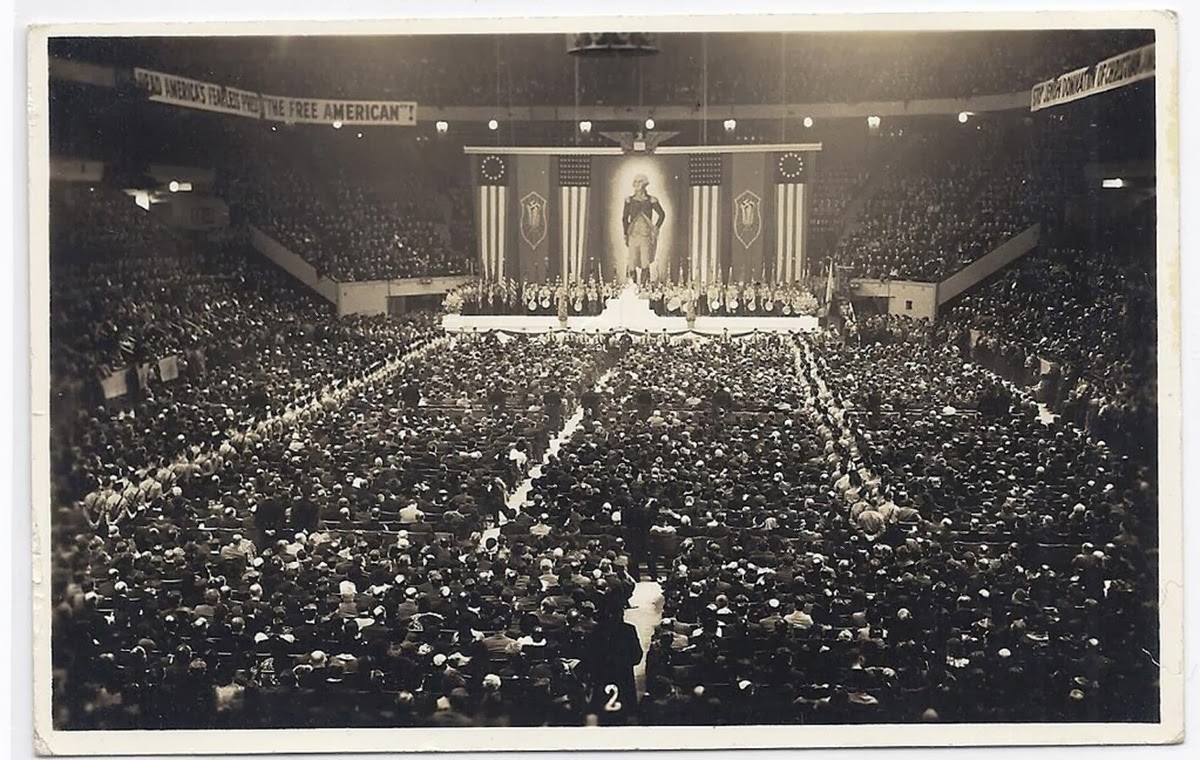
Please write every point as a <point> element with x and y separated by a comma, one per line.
<point>790,212</point>
<point>704,237</point>
<point>493,214</point>
<point>574,180</point>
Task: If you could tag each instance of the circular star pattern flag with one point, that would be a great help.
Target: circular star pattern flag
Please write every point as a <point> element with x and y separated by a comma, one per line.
<point>791,165</point>
<point>492,168</point>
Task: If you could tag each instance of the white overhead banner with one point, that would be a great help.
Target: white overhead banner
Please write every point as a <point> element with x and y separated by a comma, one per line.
<point>205,96</point>
<point>1109,74</point>
<point>349,112</point>
<point>192,93</point>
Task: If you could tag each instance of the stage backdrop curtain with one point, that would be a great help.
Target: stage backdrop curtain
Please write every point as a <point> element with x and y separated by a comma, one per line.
<point>730,217</point>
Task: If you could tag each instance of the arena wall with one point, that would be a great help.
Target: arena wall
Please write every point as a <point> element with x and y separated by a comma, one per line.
<point>371,297</point>
<point>905,298</point>
<point>166,173</point>
<point>66,169</point>
<point>192,212</point>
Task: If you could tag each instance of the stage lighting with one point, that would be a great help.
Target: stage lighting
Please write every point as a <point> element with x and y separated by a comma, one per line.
<point>873,122</point>
<point>1112,184</point>
<point>493,125</point>
<point>337,125</point>
<point>612,44</point>
<point>963,116</point>
<point>173,187</point>
<point>585,127</point>
<point>359,135</point>
<point>442,127</point>
<point>808,121</point>
<point>649,123</point>
<point>730,125</point>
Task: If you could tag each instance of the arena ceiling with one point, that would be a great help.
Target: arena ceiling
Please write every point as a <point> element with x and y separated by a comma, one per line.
<point>535,68</point>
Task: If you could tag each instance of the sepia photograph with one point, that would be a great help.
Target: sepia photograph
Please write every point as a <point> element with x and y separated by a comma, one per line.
<point>606,383</point>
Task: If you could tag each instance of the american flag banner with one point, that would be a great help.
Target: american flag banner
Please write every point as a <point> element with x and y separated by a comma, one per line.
<point>493,177</point>
<point>574,182</point>
<point>790,216</point>
<point>704,180</point>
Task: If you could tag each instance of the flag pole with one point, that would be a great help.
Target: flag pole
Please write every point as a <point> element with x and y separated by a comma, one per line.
<point>704,95</point>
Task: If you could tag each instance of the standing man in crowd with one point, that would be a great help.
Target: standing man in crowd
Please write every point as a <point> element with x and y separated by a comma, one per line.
<point>645,401</point>
<point>612,651</point>
<point>590,400</point>
<point>722,400</point>
<point>638,519</point>
<point>554,407</point>
<point>496,399</point>
<point>411,395</point>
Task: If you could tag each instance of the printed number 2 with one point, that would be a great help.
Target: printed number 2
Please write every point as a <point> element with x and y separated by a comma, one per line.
<point>613,704</point>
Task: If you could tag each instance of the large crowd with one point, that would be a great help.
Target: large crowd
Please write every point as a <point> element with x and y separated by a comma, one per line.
<point>349,233</point>
<point>823,564</point>
<point>267,515</point>
<point>941,212</point>
<point>1025,502</point>
<point>162,343</point>
<point>836,185</point>
<point>341,554</point>
<point>1086,309</point>
<point>819,562</point>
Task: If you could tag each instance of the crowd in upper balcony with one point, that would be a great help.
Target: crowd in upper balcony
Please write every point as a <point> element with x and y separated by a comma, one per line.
<point>351,232</point>
<point>941,207</point>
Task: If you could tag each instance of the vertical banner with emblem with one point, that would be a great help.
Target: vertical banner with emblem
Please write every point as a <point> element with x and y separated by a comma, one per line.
<point>749,206</point>
<point>534,239</point>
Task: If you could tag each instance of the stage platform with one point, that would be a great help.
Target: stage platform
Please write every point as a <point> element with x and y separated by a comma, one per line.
<point>628,313</point>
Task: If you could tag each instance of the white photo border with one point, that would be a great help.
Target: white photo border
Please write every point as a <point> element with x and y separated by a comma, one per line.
<point>1168,730</point>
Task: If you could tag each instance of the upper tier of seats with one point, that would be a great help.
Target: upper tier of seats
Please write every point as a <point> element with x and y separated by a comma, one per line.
<point>348,231</point>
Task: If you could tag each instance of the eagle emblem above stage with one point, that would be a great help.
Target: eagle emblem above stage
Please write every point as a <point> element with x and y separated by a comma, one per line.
<point>747,217</point>
<point>533,219</point>
<point>639,142</point>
